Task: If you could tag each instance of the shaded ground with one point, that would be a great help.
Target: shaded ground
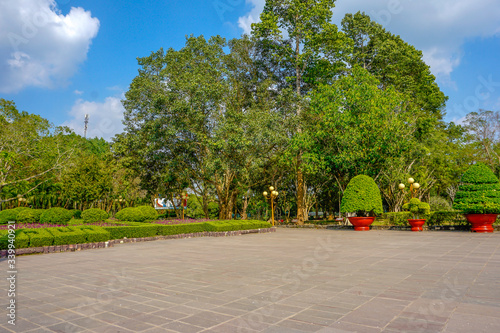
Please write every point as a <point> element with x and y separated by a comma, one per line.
<point>294,280</point>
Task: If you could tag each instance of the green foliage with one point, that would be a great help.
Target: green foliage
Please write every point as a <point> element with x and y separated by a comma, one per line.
<point>77,214</point>
<point>446,217</point>
<point>93,234</point>
<point>11,214</point>
<point>439,203</point>
<point>479,173</point>
<point>29,216</point>
<point>147,230</point>
<point>362,196</point>
<point>398,218</point>
<point>94,215</point>
<point>21,240</point>
<point>66,235</point>
<point>416,207</point>
<point>39,237</point>
<point>137,214</point>
<point>479,192</point>
<point>56,215</point>
<point>176,229</point>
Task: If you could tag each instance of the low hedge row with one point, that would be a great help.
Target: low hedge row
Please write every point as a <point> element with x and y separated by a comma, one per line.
<point>91,234</point>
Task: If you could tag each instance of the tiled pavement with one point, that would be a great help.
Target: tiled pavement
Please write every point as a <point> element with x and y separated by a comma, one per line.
<point>294,280</point>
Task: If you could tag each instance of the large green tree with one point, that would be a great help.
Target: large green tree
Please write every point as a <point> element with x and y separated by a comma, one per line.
<point>198,118</point>
<point>300,48</point>
<point>31,152</point>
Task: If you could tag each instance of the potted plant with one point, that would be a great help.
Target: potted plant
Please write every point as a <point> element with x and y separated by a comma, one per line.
<point>478,197</point>
<point>362,196</point>
<point>419,209</point>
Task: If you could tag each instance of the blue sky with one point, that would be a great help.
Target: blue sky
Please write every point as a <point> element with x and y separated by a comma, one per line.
<point>63,59</point>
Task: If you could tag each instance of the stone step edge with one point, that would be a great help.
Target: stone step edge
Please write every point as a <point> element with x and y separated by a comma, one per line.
<point>112,243</point>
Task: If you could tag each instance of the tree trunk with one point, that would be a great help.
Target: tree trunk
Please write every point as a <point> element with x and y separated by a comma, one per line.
<point>300,194</point>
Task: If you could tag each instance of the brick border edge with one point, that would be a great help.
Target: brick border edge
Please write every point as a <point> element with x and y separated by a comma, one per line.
<point>112,243</point>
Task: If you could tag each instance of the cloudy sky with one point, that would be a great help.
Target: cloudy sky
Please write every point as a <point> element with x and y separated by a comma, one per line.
<point>67,58</point>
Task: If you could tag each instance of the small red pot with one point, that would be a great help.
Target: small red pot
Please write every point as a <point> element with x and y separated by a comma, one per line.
<point>361,223</point>
<point>416,224</point>
<point>481,222</point>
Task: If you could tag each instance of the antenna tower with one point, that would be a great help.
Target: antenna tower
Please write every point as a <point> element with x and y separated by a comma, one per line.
<point>86,125</point>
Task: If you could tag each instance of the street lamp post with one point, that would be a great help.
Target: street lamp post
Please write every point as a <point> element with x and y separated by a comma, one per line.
<point>272,195</point>
<point>413,187</point>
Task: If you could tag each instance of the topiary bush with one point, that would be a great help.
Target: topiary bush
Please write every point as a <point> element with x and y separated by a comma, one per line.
<point>11,214</point>
<point>137,214</point>
<point>94,215</point>
<point>479,192</point>
<point>29,215</point>
<point>418,208</point>
<point>56,215</point>
<point>362,196</point>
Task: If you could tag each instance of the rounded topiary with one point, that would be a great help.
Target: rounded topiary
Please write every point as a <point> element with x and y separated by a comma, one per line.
<point>362,196</point>
<point>30,216</point>
<point>11,214</point>
<point>479,192</point>
<point>417,208</point>
<point>94,215</point>
<point>56,215</point>
<point>137,214</point>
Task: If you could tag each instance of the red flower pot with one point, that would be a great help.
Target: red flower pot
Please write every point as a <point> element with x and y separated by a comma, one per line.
<point>361,223</point>
<point>416,224</point>
<point>481,222</point>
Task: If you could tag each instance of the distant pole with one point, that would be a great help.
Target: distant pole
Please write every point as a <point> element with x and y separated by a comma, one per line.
<point>86,125</point>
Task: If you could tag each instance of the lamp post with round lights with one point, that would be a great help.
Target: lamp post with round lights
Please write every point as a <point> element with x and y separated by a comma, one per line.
<point>272,195</point>
<point>413,187</point>
<point>180,198</point>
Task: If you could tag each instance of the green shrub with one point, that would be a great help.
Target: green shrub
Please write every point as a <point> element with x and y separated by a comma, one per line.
<point>479,192</point>
<point>65,235</point>
<point>56,215</point>
<point>446,217</point>
<point>438,203</point>
<point>362,196</point>
<point>11,214</point>
<point>21,240</point>
<point>398,218</point>
<point>29,216</point>
<point>147,230</point>
<point>39,237</point>
<point>418,208</point>
<point>137,214</point>
<point>93,215</point>
<point>93,234</point>
<point>176,229</point>
<point>77,214</point>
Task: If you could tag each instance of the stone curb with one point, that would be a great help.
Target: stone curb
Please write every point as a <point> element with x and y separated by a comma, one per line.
<point>112,243</point>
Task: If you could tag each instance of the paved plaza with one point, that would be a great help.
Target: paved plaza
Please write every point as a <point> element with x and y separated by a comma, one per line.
<point>293,280</point>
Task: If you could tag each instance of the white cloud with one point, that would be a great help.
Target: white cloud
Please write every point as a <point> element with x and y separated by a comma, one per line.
<point>438,28</point>
<point>105,119</point>
<point>39,46</point>
<point>78,92</point>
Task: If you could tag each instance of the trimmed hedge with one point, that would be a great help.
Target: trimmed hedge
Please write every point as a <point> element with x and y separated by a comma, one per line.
<point>38,237</point>
<point>56,215</point>
<point>93,234</point>
<point>446,217</point>
<point>29,215</point>
<point>94,215</point>
<point>398,218</point>
<point>147,230</point>
<point>11,214</point>
<point>137,214</point>
<point>362,196</point>
<point>67,235</point>
<point>176,229</point>
<point>21,239</point>
<point>479,192</point>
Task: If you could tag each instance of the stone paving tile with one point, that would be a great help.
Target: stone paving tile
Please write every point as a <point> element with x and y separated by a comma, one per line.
<point>325,281</point>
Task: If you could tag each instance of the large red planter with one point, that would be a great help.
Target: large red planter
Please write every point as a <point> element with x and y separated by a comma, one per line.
<point>481,222</point>
<point>416,224</point>
<point>361,223</point>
